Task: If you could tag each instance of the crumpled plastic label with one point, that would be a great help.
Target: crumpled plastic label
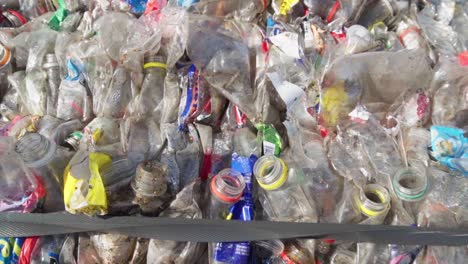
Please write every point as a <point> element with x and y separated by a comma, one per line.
<point>288,42</point>
<point>59,16</point>
<point>449,146</point>
<point>334,104</point>
<point>286,5</point>
<point>84,190</point>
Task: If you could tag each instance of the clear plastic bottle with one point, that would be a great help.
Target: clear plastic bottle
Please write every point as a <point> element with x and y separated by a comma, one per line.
<point>48,161</point>
<point>410,184</point>
<point>282,196</point>
<point>53,75</point>
<point>417,142</point>
<point>410,34</point>
<point>47,250</point>
<point>119,94</point>
<point>150,100</point>
<point>373,202</point>
<point>268,251</point>
<point>17,182</point>
<point>368,204</point>
<point>226,189</point>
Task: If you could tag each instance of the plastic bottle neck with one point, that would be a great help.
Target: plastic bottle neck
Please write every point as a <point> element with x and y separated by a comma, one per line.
<point>227,186</point>
<point>51,61</point>
<point>5,56</point>
<point>373,200</point>
<point>155,62</point>
<point>150,179</point>
<point>35,150</point>
<point>410,184</point>
<point>271,172</point>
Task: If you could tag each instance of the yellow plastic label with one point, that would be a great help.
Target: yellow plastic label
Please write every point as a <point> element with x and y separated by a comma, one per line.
<point>334,104</point>
<point>286,5</point>
<point>88,197</point>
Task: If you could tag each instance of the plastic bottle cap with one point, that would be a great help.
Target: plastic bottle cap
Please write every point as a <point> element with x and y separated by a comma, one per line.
<point>227,186</point>
<point>370,207</point>
<point>409,184</point>
<point>265,168</point>
<point>6,56</point>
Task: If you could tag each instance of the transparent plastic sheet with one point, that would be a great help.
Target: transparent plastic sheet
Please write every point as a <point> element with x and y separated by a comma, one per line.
<point>413,108</point>
<point>86,251</point>
<point>141,140</point>
<point>309,153</point>
<point>119,94</point>
<point>116,178</point>
<point>226,65</point>
<point>64,40</point>
<point>114,29</point>
<point>98,69</point>
<point>439,34</point>
<point>12,103</point>
<point>182,155</point>
<point>417,141</point>
<point>358,39</point>
<point>103,131</point>
<point>371,80</point>
<point>48,161</point>
<point>364,152</point>
<point>62,131</point>
<point>186,204</point>
<point>40,43</point>
<point>145,37</point>
<point>230,9</point>
<point>33,8</point>
<point>449,80</point>
<point>18,182</point>
<point>171,99</point>
<point>449,190</point>
<point>460,19</point>
<point>47,249</point>
<point>74,98</point>
<point>174,33</point>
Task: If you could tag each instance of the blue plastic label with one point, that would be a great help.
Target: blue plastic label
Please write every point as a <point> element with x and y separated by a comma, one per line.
<point>18,245</point>
<point>187,3</point>
<point>6,250</point>
<point>449,146</point>
<point>138,6</point>
<point>191,99</point>
<point>53,258</point>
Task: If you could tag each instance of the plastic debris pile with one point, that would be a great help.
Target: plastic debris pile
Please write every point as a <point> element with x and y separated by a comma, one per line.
<point>330,111</point>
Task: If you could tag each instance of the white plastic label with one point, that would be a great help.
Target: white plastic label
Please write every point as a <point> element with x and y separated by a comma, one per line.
<point>268,148</point>
<point>308,35</point>
<point>288,42</point>
<point>289,92</point>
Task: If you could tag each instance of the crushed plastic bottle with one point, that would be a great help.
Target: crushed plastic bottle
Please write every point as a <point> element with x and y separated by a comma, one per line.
<point>346,112</point>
